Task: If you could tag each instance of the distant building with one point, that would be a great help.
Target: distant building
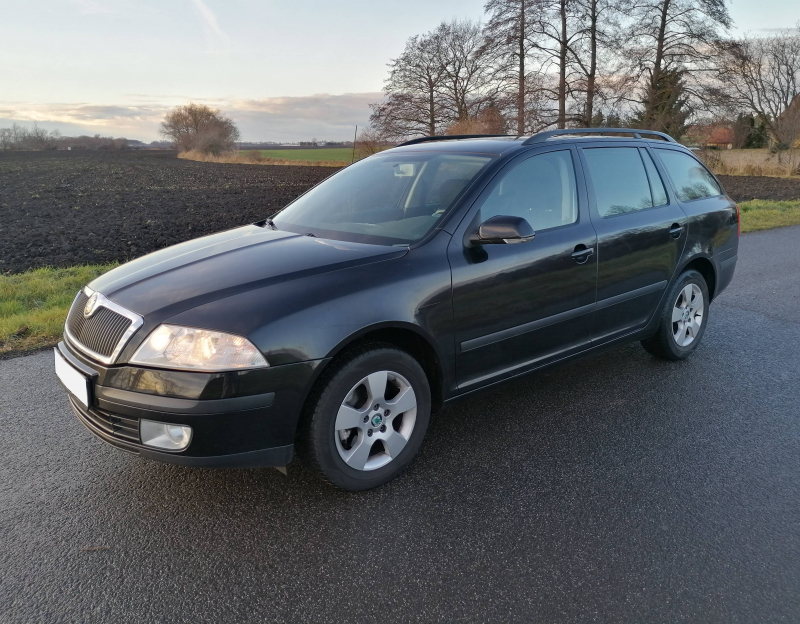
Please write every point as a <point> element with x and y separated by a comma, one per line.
<point>721,138</point>
<point>713,135</point>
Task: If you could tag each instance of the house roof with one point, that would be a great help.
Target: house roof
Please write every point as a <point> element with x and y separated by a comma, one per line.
<point>721,134</point>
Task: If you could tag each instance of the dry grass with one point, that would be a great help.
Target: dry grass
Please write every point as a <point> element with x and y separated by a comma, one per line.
<point>254,157</point>
<point>753,162</point>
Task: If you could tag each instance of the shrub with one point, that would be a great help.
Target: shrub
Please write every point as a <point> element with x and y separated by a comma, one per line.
<point>200,128</point>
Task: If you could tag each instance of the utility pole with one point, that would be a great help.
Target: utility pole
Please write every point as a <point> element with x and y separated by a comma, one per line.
<point>355,134</point>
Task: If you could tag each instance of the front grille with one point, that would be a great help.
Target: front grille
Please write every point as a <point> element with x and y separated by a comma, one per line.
<point>101,332</point>
<point>117,430</point>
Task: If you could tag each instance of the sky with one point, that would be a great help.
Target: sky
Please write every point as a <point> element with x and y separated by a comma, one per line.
<point>283,70</point>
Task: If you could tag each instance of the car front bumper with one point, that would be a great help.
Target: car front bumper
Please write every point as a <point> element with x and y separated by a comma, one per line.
<point>236,431</point>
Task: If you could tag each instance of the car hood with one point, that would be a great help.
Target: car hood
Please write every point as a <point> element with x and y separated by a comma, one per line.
<point>182,277</point>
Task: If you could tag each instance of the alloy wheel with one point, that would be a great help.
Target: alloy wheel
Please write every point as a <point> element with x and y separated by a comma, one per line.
<point>375,421</point>
<point>687,315</point>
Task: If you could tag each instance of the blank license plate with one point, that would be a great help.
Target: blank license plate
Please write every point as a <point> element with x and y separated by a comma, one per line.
<point>73,380</point>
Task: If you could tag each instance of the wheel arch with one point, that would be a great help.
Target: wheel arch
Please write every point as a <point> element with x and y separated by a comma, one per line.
<point>703,265</point>
<point>406,337</point>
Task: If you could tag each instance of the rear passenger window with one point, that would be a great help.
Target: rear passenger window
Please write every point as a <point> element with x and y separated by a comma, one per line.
<point>619,179</point>
<point>540,189</point>
<point>691,179</point>
<point>656,183</point>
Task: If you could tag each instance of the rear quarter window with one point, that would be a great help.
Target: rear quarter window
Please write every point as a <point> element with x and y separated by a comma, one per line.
<point>691,179</point>
<point>656,183</point>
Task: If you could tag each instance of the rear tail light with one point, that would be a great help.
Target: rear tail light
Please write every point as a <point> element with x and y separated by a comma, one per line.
<point>738,221</point>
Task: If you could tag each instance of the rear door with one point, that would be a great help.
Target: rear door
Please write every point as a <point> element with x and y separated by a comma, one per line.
<point>712,215</point>
<point>516,306</point>
<point>641,233</point>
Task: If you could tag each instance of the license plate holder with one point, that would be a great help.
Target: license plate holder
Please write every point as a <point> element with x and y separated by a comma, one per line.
<point>76,383</point>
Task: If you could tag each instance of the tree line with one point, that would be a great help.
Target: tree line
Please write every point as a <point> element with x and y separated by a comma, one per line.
<point>21,138</point>
<point>538,64</point>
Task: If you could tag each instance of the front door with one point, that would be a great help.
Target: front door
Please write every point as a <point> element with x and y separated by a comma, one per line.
<point>517,306</point>
<point>640,235</point>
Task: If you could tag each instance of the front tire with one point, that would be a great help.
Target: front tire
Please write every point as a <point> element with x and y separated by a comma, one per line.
<point>683,319</point>
<point>368,417</point>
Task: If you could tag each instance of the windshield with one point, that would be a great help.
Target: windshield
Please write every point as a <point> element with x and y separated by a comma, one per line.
<point>391,199</point>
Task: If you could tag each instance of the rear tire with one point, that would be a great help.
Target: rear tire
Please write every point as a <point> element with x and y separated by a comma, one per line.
<point>683,319</point>
<point>367,417</point>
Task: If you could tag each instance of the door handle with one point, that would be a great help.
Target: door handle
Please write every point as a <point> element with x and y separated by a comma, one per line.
<point>676,230</point>
<point>582,253</point>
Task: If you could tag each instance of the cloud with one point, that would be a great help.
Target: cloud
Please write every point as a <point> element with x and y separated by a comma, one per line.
<point>288,119</point>
<point>295,118</point>
<point>216,37</point>
<point>322,115</point>
<point>81,113</point>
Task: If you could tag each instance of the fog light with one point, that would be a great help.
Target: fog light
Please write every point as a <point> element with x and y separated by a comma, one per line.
<point>165,435</point>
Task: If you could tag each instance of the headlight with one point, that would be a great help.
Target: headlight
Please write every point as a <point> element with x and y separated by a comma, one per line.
<point>170,346</point>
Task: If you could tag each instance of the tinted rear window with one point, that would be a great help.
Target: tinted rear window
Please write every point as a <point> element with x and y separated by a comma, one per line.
<point>691,179</point>
<point>619,180</point>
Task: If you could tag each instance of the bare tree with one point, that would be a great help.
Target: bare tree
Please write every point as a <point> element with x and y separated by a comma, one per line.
<point>413,103</point>
<point>469,84</point>
<point>371,140</point>
<point>199,127</point>
<point>598,33</point>
<point>442,77</point>
<point>6,141</point>
<point>558,30</point>
<point>671,35</point>
<point>510,29</point>
<point>40,139</point>
<point>762,76</point>
<point>563,39</point>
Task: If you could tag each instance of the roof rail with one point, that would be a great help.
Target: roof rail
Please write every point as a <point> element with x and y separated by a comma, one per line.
<point>544,136</point>
<point>452,137</point>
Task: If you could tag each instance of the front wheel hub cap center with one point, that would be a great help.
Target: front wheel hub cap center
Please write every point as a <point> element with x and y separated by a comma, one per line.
<point>376,420</point>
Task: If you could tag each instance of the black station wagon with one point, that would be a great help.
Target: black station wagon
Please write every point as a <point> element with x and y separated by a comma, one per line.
<point>413,277</point>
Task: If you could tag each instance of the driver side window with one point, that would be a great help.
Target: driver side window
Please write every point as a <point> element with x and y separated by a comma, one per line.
<point>540,189</point>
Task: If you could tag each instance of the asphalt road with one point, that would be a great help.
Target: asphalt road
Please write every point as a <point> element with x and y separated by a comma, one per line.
<point>616,489</point>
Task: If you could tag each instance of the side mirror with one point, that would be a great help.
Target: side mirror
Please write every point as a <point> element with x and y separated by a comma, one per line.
<point>503,229</point>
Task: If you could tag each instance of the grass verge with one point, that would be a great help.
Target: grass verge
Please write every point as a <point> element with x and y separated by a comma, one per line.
<point>333,154</point>
<point>759,214</point>
<point>33,306</point>
<point>256,157</point>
